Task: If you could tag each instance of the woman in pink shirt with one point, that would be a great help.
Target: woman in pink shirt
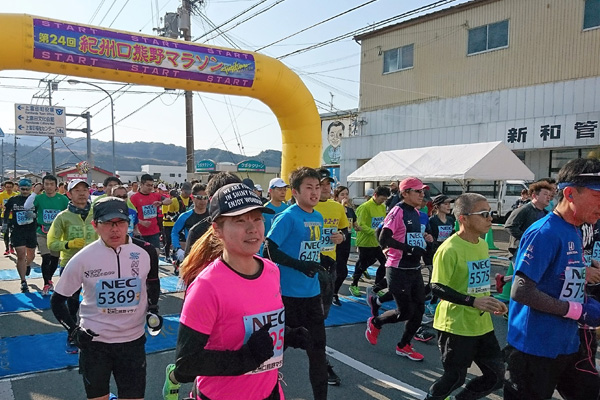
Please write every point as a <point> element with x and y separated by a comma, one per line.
<point>230,346</point>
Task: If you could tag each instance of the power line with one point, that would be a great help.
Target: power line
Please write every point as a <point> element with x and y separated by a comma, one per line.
<point>229,20</point>
<point>110,8</point>
<point>96,12</point>
<point>119,13</point>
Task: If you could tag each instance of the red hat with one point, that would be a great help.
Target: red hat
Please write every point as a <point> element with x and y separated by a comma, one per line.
<point>412,183</point>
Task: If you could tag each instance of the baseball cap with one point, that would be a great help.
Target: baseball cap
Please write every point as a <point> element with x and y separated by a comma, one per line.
<point>109,208</point>
<point>412,183</point>
<point>187,187</point>
<point>235,199</point>
<point>258,187</point>
<point>277,183</point>
<point>161,186</point>
<point>325,174</point>
<point>370,192</point>
<point>25,182</point>
<point>100,185</point>
<point>248,182</point>
<point>76,182</point>
<point>440,198</point>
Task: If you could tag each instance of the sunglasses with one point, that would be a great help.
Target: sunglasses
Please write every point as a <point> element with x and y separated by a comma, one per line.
<point>484,214</point>
<point>200,197</point>
<point>122,196</point>
<point>118,224</point>
<point>420,191</point>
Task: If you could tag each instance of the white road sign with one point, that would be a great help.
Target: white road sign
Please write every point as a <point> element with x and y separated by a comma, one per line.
<point>34,120</point>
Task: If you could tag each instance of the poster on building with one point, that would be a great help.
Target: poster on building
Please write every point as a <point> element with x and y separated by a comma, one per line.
<point>332,132</point>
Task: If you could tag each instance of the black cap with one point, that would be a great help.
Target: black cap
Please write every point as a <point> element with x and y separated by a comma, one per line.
<point>248,182</point>
<point>109,208</point>
<point>235,199</point>
<point>186,186</point>
<point>325,174</point>
<point>439,199</point>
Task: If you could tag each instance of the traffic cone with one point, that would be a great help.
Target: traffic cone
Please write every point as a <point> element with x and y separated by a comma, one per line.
<point>505,295</point>
<point>489,238</point>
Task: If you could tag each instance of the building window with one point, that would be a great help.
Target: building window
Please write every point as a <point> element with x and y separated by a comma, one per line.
<point>179,176</point>
<point>591,14</point>
<point>558,158</point>
<point>172,175</point>
<point>488,37</point>
<point>398,59</point>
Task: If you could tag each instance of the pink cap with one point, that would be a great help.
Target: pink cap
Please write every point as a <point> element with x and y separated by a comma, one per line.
<point>412,183</point>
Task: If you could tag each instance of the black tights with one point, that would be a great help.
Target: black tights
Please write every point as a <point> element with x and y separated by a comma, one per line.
<point>49,266</point>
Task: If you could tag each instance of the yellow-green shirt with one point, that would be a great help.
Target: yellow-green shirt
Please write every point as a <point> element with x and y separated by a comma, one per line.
<point>66,226</point>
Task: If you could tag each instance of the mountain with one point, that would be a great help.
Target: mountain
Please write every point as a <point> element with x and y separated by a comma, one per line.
<point>34,154</point>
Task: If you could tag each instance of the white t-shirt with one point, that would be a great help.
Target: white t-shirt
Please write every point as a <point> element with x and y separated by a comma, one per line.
<point>114,293</point>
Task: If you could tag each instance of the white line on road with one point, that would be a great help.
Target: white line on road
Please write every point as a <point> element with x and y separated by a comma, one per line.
<point>375,374</point>
<point>6,392</point>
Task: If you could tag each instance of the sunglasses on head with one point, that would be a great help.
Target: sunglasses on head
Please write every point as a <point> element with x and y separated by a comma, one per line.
<point>200,197</point>
<point>484,214</point>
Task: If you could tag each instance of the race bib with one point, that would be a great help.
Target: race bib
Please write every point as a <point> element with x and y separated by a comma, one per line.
<point>596,251</point>
<point>479,276</point>
<point>118,293</point>
<point>49,215</point>
<point>310,250</point>
<point>24,217</point>
<point>415,239</point>
<point>444,232</point>
<point>587,259</point>
<point>326,243</point>
<point>375,221</point>
<point>149,211</point>
<point>574,286</point>
<point>253,323</point>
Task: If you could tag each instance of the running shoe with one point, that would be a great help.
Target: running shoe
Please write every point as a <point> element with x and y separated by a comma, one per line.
<point>112,397</point>
<point>354,291</point>
<point>24,287</point>
<point>366,274</point>
<point>71,348</point>
<point>46,290</point>
<point>430,309</point>
<point>6,252</point>
<point>12,250</point>
<point>372,302</point>
<point>170,389</point>
<point>425,319</point>
<point>408,351</point>
<point>499,283</point>
<point>372,332</point>
<point>332,378</point>
<point>336,301</point>
<point>423,335</point>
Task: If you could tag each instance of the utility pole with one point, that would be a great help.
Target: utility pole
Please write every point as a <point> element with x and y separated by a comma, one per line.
<point>15,156</point>
<point>51,86</point>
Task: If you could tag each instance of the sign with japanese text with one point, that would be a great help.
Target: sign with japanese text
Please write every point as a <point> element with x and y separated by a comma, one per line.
<point>82,45</point>
<point>206,166</point>
<point>251,166</point>
<point>34,120</point>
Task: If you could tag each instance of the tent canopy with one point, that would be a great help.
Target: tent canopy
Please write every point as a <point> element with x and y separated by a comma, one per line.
<point>491,161</point>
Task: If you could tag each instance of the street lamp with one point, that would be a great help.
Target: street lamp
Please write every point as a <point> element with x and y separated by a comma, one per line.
<point>112,115</point>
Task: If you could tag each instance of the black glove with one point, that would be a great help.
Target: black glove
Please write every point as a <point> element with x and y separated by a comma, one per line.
<point>82,337</point>
<point>310,268</point>
<point>298,338</point>
<point>417,251</point>
<point>260,344</point>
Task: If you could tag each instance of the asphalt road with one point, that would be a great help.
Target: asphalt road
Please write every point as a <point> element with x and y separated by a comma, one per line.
<point>367,372</point>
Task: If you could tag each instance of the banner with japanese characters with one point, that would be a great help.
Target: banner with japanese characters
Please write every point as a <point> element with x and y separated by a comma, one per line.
<point>87,46</point>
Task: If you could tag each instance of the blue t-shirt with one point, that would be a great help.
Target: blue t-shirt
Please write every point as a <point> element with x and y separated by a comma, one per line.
<point>551,255</point>
<point>298,234</point>
<point>269,217</point>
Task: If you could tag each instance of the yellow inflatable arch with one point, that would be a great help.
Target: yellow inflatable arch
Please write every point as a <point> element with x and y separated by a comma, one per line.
<point>59,47</point>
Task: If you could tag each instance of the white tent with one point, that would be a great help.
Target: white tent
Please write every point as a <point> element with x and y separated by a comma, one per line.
<point>491,161</point>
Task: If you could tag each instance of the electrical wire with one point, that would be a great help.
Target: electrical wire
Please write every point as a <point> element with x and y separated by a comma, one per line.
<point>119,13</point>
<point>229,20</point>
<point>105,15</point>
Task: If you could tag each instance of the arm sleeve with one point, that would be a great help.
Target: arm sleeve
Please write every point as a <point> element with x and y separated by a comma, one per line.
<point>525,291</point>
<point>447,293</point>
<point>273,253</point>
<point>386,240</point>
<point>61,311</point>
<point>192,359</point>
<point>178,227</point>
<point>30,200</point>
<point>193,236</point>
<point>152,281</point>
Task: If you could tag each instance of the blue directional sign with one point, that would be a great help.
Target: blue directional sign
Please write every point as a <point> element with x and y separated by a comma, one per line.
<point>1,133</point>
<point>36,120</point>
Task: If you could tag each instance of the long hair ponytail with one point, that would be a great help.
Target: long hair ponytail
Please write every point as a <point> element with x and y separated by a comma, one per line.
<point>206,249</point>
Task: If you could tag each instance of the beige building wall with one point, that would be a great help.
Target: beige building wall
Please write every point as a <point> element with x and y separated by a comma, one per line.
<point>547,43</point>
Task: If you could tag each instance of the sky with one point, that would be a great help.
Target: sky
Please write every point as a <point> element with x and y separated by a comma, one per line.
<point>238,124</point>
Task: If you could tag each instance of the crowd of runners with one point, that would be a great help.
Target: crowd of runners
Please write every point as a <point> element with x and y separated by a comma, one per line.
<point>288,260</point>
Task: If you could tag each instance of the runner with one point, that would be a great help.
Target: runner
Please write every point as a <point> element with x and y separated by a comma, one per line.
<point>99,190</point>
<point>547,296</point>
<point>146,203</point>
<point>461,278</point>
<point>188,219</point>
<point>47,206</point>
<point>170,214</point>
<point>119,277</point>
<point>121,193</point>
<point>277,192</point>
<point>293,243</point>
<point>6,194</point>
<point>134,189</point>
<point>23,238</point>
<point>109,184</point>
<point>215,182</point>
<point>335,228</point>
<point>62,189</point>
<point>369,215</point>
<point>394,196</point>
<point>232,347</point>
<point>342,250</point>
<point>402,233</point>
<point>70,231</point>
